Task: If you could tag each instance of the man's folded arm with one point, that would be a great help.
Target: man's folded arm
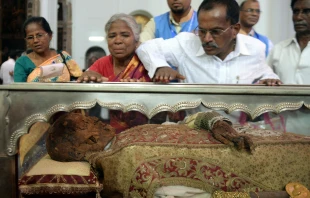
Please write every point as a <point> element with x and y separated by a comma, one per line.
<point>152,56</point>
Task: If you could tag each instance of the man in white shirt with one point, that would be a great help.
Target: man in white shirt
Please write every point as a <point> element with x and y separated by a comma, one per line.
<point>7,68</point>
<point>181,18</point>
<point>217,54</point>
<point>290,59</point>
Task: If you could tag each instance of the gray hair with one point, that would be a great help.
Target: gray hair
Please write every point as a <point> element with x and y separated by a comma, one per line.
<point>129,20</point>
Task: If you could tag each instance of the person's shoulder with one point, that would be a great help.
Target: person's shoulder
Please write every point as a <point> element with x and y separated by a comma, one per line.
<point>104,58</point>
<point>22,59</point>
<point>187,36</point>
<point>64,52</point>
<point>261,35</point>
<point>161,17</point>
<point>284,43</point>
<point>103,61</point>
<point>164,14</point>
<point>249,40</point>
<point>8,63</point>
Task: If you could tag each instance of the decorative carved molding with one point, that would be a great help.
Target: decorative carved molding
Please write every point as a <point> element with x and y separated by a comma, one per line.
<point>258,111</point>
<point>179,106</point>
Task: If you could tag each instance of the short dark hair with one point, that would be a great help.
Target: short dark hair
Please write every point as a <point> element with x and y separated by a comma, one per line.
<point>39,20</point>
<point>232,8</point>
<point>293,3</point>
<point>14,54</point>
<point>243,2</point>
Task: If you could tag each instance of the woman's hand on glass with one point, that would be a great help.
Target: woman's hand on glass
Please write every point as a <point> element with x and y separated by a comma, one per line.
<point>91,76</point>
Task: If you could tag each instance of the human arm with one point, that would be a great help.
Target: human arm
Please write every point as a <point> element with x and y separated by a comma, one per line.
<point>156,56</point>
<point>148,31</point>
<point>269,78</point>
<point>20,72</point>
<point>220,128</point>
<point>1,72</point>
<point>96,72</point>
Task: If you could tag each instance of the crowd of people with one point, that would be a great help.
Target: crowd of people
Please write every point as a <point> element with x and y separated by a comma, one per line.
<point>204,46</point>
<point>216,44</point>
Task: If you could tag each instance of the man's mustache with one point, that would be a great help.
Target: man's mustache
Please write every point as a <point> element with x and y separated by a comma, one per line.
<point>210,44</point>
<point>300,23</point>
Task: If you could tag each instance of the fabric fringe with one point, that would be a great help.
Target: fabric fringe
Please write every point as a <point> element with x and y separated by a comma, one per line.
<point>59,189</point>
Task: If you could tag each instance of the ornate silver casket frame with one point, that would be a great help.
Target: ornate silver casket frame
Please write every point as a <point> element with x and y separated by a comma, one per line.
<point>23,104</point>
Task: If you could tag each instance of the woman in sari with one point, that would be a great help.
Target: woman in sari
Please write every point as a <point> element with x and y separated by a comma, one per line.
<point>122,64</point>
<point>38,35</point>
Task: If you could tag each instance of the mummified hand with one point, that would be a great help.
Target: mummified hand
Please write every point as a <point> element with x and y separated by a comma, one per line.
<point>223,132</point>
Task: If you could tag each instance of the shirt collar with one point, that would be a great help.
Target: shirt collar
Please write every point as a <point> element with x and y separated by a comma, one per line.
<point>290,41</point>
<point>183,19</point>
<point>240,48</point>
<point>252,32</point>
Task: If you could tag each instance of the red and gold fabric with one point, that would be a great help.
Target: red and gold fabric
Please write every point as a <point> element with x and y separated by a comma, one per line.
<point>146,157</point>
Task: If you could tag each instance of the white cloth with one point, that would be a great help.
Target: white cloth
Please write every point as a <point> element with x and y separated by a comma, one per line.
<point>243,65</point>
<point>52,70</point>
<point>6,68</point>
<point>180,192</point>
<point>293,67</point>
<point>290,63</point>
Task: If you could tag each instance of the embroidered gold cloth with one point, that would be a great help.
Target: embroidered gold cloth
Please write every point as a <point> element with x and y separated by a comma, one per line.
<point>146,157</point>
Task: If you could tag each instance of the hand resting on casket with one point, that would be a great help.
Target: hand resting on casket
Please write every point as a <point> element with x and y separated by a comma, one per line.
<point>225,133</point>
<point>221,129</point>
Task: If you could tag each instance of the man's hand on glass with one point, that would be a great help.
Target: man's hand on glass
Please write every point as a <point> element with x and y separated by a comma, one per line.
<point>270,82</point>
<point>166,74</point>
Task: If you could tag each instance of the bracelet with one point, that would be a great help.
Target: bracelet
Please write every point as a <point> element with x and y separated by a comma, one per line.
<point>206,120</point>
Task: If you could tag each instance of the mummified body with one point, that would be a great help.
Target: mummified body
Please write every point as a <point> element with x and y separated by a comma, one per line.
<point>74,134</point>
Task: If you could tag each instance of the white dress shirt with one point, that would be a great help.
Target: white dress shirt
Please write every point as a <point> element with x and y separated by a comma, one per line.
<point>293,67</point>
<point>6,68</point>
<point>244,65</point>
<point>290,63</point>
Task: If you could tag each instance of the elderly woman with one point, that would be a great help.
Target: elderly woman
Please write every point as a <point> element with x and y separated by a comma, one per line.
<point>122,34</point>
<point>121,65</point>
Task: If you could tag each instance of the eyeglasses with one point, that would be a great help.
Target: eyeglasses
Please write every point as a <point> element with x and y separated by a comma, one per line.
<point>251,10</point>
<point>305,12</point>
<point>214,33</point>
<point>38,36</point>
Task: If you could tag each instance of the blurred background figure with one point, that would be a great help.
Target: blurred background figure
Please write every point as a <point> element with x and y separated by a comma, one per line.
<point>249,16</point>
<point>93,54</point>
<point>7,68</point>
<point>181,18</point>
